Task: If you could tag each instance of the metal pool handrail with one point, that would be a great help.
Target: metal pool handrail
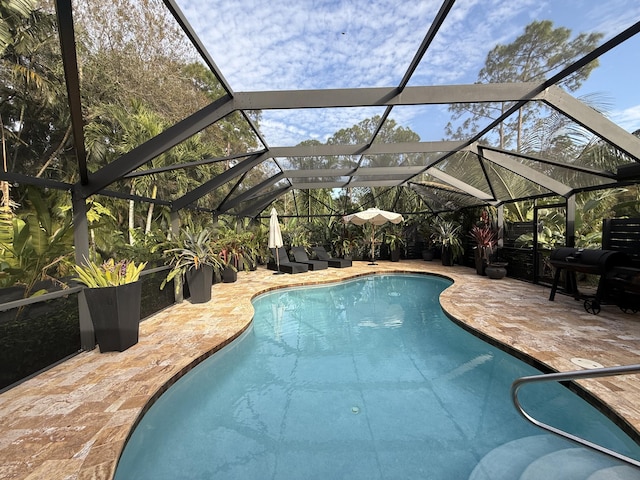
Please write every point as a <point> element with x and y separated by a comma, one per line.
<point>573,375</point>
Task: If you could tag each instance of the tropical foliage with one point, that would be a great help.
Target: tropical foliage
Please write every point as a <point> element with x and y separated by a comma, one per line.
<point>485,237</point>
<point>448,234</point>
<point>34,245</point>
<point>108,274</point>
<point>194,250</point>
<point>140,75</point>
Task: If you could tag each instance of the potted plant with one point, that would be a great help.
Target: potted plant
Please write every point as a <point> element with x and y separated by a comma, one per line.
<point>194,260</point>
<point>485,238</point>
<point>113,297</point>
<point>233,253</point>
<point>346,243</point>
<point>393,238</point>
<point>255,248</point>
<point>447,235</point>
<point>426,231</point>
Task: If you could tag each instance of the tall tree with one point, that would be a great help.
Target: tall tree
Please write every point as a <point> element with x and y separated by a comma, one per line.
<point>362,133</point>
<point>233,133</point>
<point>134,50</point>
<point>532,57</point>
<point>115,130</point>
<point>31,92</point>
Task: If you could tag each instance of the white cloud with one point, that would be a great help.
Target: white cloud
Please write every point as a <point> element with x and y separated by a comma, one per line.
<point>314,44</point>
<point>291,127</point>
<point>613,16</point>
<point>629,118</point>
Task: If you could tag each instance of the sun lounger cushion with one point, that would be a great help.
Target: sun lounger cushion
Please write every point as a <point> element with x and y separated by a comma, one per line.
<point>322,254</point>
<point>300,256</point>
<point>286,265</point>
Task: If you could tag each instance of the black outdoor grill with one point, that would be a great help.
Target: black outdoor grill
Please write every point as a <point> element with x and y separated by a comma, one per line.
<point>608,264</point>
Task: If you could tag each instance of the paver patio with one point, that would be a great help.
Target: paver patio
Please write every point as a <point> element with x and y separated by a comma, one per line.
<point>72,421</point>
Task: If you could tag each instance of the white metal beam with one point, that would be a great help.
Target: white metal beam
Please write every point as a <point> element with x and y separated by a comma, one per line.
<point>593,121</point>
<point>505,161</point>
<point>459,184</point>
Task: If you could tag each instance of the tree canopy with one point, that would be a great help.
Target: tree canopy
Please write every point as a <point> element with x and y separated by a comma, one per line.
<point>539,52</point>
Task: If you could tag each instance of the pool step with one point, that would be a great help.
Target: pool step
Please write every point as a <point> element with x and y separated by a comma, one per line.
<point>621,472</point>
<point>545,457</point>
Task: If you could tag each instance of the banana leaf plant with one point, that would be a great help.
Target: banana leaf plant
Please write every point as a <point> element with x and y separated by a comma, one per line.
<point>35,243</point>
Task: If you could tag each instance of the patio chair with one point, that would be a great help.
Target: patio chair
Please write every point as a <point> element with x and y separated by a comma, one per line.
<point>286,265</point>
<point>334,262</point>
<point>300,255</point>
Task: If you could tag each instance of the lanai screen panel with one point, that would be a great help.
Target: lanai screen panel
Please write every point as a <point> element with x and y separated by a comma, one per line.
<point>186,166</point>
<point>282,45</point>
<point>279,46</point>
<point>441,198</point>
<point>465,167</point>
<point>574,178</point>
<point>133,94</point>
<point>320,162</point>
<point>245,188</point>
<point>508,185</point>
<point>291,127</point>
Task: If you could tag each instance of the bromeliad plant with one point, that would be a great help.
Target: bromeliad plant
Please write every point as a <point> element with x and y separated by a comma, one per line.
<point>195,250</point>
<point>113,298</point>
<point>109,273</point>
<point>447,234</point>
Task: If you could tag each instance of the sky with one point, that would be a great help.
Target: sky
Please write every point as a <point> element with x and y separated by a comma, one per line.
<point>318,44</point>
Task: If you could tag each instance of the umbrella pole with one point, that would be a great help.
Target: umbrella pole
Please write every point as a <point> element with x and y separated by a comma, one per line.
<point>278,262</point>
<point>373,248</point>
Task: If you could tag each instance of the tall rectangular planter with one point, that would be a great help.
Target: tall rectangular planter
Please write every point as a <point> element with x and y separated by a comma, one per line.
<point>200,281</point>
<point>229,275</point>
<point>115,313</point>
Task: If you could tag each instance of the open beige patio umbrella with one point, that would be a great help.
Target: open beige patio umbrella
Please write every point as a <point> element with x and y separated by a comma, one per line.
<point>275,237</point>
<point>374,216</point>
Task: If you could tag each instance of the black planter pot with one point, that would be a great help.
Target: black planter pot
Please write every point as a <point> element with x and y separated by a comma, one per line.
<point>395,255</point>
<point>229,275</point>
<point>481,263</point>
<point>447,257</point>
<point>200,281</point>
<point>115,313</point>
<point>427,255</point>
<point>497,270</point>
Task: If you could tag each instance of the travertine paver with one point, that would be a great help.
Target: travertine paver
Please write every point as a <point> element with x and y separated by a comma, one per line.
<point>72,421</point>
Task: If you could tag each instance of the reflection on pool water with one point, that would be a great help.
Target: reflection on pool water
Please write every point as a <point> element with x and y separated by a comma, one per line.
<point>365,379</point>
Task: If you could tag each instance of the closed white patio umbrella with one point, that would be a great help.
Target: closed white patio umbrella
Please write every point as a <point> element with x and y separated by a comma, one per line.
<point>374,216</point>
<point>275,237</point>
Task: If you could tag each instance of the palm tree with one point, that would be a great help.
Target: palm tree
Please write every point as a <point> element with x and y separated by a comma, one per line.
<point>26,38</point>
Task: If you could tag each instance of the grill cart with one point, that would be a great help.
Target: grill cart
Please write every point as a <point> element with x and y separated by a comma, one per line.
<point>604,263</point>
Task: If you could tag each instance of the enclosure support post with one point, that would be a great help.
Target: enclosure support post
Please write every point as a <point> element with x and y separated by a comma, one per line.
<point>537,227</point>
<point>500,225</point>
<point>174,233</point>
<point>174,228</point>
<point>570,237</point>
<point>81,243</point>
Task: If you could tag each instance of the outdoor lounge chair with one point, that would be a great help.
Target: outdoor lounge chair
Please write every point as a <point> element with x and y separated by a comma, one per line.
<point>286,266</point>
<point>300,255</point>
<point>322,254</point>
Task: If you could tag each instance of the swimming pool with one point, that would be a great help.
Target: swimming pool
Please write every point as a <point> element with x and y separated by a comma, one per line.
<point>362,379</point>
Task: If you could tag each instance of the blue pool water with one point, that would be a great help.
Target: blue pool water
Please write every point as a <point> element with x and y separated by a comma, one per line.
<point>365,379</point>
